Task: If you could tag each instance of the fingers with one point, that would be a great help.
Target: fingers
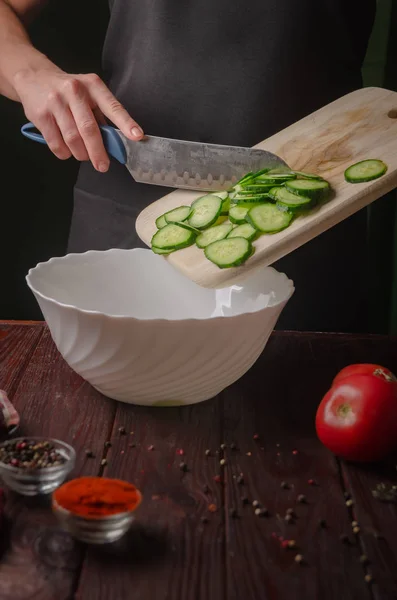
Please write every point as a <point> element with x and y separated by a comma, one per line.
<point>50,130</point>
<point>87,126</point>
<point>112,108</point>
<point>68,110</point>
<point>99,116</point>
<point>70,133</point>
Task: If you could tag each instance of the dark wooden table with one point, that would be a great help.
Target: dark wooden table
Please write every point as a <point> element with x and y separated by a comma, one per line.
<point>172,554</point>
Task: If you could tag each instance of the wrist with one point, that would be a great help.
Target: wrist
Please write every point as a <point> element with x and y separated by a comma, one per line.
<point>26,63</point>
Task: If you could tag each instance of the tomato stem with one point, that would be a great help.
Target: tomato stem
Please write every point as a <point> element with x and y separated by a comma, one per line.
<point>344,410</point>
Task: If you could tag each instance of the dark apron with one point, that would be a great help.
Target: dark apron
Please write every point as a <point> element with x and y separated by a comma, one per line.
<point>234,72</point>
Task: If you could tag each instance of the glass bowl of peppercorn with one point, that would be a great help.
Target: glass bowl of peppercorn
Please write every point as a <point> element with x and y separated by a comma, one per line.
<point>35,465</point>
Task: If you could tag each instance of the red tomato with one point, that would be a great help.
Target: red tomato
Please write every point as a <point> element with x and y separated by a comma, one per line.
<point>357,418</point>
<point>365,369</point>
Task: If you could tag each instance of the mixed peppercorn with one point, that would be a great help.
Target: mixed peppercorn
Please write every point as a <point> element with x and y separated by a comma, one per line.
<point>30,454</point>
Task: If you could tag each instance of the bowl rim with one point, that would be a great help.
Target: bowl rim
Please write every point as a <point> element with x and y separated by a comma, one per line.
<point>73,307</point>
<point>32,472</point>
<point>99,519</point>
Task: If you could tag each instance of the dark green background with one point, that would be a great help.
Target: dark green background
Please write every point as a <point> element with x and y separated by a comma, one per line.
<point>36,188</point>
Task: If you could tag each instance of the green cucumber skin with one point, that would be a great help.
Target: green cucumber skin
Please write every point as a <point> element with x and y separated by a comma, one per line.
<point>236,219</point>
<point>161,222</point>
<point>211,221</point>
<point>287,198</point>
<point>236,263</point>
<point>188,241</point>
<point>258,199</point>
<point>315,193</point>
<point>301,208</point>
<point>276,179</point>
<point>187,226</point>
<point>161,251</point>
<point>236,231</point>
<point>259,188</point>
<point>225,207</point>
<point>364,179</point>
<point>308,175</point>
<point>187,210</point>
<point>252,220</point>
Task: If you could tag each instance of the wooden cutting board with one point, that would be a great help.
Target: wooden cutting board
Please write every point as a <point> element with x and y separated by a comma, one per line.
<point>360,125</point>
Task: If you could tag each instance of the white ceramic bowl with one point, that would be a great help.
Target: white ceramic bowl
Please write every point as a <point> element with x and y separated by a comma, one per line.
<point>140,332</point>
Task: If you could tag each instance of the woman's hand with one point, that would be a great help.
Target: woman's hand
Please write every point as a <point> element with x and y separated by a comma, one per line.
<point>66,109</point>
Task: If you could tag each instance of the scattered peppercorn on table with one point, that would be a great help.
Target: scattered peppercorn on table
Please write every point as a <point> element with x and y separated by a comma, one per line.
<point>240,499</point>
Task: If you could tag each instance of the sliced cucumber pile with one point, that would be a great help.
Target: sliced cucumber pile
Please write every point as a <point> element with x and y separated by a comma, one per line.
<point>225,224</point>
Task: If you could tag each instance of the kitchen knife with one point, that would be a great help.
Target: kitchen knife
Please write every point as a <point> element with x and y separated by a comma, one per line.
<point>177,163</point>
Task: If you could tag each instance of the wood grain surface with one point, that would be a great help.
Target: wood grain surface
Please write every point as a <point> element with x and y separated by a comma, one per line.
<point>41,561</point>
<point>17,343</point>
<point>186,550</point>
<point>171,553</point>
<point>360,125</point>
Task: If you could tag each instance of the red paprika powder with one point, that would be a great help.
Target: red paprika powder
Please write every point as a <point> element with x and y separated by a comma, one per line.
<point>97,497</point>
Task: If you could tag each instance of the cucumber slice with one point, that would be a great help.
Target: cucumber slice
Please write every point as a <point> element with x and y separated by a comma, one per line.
<point>259,187</point>
<point>228,252</point>
<point>181,213</point>
<point>365,170</point>
<point>261,172</point>
<point>161,251</point>
<point>267,218</point>
<point>206,211</point>
<point>254,199</point>
<point>238,213</point>
<point>287,198</point>
<point>173,237</point>
<point>246,177</point>
<point>222,195</point>
<point>221,219</point>
<point>246,231</point>
<point>314,188</point>
<point>161,222</point>
<point>213,234</point>
<point>280,171</point>
<point>275,178</point>
<point>188,227</point>
<point>253,191</point>
<point>308,175</point>
<point>225,206</point>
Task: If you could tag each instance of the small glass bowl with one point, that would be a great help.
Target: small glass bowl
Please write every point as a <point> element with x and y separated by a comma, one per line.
<point>38,481</point>
<point>95,530</point>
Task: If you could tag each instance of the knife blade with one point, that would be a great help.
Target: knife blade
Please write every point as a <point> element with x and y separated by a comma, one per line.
<point>193,165</point>
<point>178,163</point>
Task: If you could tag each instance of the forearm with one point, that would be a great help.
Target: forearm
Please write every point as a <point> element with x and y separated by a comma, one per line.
<point>17,54</point>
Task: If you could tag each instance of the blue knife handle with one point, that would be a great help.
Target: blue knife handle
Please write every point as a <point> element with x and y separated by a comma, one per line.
<point>111,140</point>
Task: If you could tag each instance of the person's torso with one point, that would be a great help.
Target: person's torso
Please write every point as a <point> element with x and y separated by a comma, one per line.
<point>221,71</point>
<point>235,71</point>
